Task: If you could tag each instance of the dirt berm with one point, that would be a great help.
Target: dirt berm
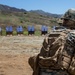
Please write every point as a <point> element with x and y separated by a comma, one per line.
<point>15,51</point>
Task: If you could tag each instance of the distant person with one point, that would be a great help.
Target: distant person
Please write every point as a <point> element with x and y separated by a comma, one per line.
<point>32,30</point>
<point>19,30</point>
<point>7,30</point>
<point>0,31</point>
<point>46,30</point>
<point>10,30</point>
<point>43,30</point>
<point>29,30</point>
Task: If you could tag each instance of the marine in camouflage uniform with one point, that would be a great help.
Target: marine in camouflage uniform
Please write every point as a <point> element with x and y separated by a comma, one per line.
<point>57,55</point>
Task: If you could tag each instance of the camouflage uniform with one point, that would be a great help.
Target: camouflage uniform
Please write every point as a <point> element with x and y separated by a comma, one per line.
<point>57,55</point>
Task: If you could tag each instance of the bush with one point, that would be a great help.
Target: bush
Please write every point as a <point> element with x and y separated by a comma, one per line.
<point>3,32</point>
<point>25,32</point>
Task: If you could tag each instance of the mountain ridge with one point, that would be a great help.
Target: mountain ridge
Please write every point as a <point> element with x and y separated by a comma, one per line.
<point>41,12</point>
<point>15,16</point>
<point>14,9</point>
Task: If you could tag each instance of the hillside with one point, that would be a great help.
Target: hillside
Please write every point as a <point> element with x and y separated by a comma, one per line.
<point>14,16</point>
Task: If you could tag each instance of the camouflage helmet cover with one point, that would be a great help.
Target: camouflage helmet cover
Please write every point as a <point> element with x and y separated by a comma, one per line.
<point>70,14</point>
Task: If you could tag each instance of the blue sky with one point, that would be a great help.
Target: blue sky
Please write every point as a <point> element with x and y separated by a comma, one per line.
<point>51,6</point>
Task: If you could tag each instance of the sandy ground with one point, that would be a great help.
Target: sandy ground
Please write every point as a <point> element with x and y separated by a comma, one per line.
<point>15,51</point>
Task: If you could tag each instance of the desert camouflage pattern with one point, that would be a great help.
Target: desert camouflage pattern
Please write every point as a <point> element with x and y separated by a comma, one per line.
<point>54,72</point>
<point>49,56</point>
<point>71,68</point>
<point>52,47</point>
<point>68,50</point>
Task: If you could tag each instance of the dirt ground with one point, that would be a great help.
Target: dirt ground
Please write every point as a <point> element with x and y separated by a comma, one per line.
<point>15,51</point>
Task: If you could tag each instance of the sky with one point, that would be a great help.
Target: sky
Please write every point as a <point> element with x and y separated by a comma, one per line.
<point>51,6</point>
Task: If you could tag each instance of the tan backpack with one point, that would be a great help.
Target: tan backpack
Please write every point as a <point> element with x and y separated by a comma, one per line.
<point>52,47</point>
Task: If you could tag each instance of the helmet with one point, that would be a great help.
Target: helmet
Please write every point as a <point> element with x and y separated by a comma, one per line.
<point>70,14</point>
<point>69,19</point>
